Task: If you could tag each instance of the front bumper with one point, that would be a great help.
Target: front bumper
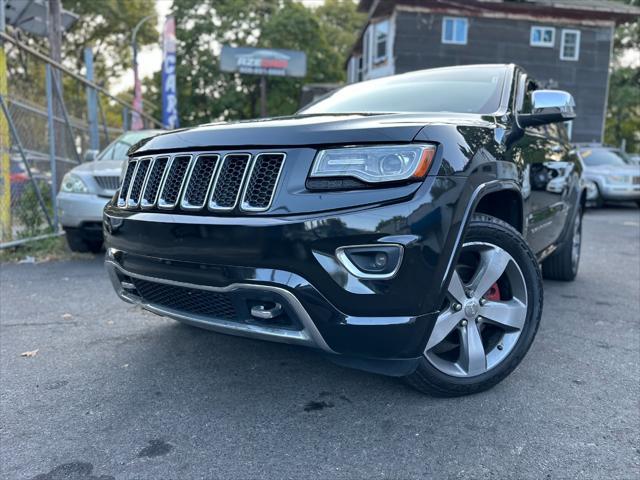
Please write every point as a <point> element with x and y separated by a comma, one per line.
<point>620,192</point>
<point>76,209</point>
<point>369,324</point>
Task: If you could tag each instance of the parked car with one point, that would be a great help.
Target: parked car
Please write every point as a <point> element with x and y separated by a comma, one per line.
<point>611,175</point>
<point>634,159</point>
<point>396,225</point>
<point>85,190</point>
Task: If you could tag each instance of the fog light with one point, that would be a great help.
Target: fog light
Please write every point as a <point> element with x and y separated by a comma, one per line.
<point>374,262</point>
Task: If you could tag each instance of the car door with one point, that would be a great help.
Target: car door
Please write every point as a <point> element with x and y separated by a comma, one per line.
<point>545,157</point>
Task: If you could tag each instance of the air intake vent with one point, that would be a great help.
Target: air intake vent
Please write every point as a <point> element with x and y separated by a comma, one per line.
<point>187,300</point>
<point>150,194</point>
<point>126,183</point>
<point>263,180</point>
<point>106,182</point>
<point>226,188</point>
<point>199,181</point>
<point>174,181</point>
<point>133,199</point>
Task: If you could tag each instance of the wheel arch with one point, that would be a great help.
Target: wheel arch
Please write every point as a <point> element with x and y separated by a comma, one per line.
<point>503,202</point>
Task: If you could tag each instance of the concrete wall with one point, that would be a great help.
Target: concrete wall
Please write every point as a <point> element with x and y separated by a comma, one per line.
<point>500,40</point>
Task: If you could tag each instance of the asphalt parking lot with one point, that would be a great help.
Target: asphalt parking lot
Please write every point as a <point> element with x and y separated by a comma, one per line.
<point>114,392</point>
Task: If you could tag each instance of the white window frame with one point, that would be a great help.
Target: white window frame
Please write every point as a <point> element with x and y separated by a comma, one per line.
<point>376,32</point>
<point>366,49</point>
<point>453,41</point>
<point>543,44</point>
<point>576,57</point>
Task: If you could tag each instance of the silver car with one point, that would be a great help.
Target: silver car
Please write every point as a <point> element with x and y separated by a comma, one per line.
<point>610,175</point>
<point>87,188</point>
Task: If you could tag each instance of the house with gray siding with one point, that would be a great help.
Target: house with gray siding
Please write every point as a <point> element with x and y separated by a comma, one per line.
<point>565,44</point>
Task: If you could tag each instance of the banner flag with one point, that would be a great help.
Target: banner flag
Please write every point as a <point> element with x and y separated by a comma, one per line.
<point>169,93</point>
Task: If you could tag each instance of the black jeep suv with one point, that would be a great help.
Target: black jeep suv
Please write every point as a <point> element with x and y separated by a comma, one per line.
<point>396,224</point>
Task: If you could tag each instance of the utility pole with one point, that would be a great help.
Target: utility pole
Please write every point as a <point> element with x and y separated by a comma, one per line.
<point>5,162</point>
<point>263,96</point>
<point>55,30</point>
<point>136,118</point>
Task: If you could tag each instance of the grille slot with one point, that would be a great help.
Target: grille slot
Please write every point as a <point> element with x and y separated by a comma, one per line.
<point>263,180</point>
<point>226,187</point>
<point>199,181</point>
<point>107,182</point>
<point>188,300</point>
<point>133,199</point>
<point>151,187</point>
<point>126,183</point>
<point>174,181</point>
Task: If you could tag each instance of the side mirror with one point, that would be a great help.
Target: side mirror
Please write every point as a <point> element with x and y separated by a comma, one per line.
<point>549,106</point>
<point>91,155</point>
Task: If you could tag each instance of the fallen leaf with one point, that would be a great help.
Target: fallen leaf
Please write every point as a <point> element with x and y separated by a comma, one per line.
<point>67,316</point>
<point>32,353</point>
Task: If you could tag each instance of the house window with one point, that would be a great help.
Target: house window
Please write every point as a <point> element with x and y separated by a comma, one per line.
<point>381,40</point>
<point>543,37</point>
<point>454,30</point>
<point>570,45</point>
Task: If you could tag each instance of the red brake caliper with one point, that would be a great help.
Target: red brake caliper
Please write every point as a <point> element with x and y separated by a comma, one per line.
<point>493,293</point>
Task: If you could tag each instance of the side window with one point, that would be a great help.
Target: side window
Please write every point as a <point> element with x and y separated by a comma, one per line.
<point>525,89</point>
<point>542,37</point>
<point>570,45</point>
<point>455,30</point>
<point>381,41</point>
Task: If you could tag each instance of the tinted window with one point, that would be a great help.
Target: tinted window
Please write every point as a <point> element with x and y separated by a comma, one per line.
<point>596,157</point>
<point>460,90</point>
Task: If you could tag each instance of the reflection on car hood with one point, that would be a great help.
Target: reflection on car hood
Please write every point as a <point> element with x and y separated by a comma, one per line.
<point>311,130</point>
<point>102,167</point>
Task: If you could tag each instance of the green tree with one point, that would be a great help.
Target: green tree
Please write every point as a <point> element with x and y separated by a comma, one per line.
<point>107,25</point>
<point>206,94</point>
<point>623,113</point>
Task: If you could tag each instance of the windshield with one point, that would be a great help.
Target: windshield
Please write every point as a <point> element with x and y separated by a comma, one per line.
<point>459,90</point>
<point>601,156</point>
<point>117,150</point>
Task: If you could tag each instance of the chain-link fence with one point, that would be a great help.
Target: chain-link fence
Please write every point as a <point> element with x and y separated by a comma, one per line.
<point>53,118</point>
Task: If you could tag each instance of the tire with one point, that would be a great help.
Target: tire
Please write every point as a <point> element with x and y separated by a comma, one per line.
<point>520,280</point>
<point>563,263</point>
<point>77,242</point>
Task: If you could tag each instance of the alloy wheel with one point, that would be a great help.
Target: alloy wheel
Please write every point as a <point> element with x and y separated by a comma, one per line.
<point>577,241</point>
<point>484,314</point>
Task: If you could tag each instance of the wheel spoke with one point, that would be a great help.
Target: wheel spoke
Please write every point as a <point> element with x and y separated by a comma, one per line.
<point>510,314</point>
<point>445,322</point>
<point>456,288</point>
<point>472,357</point>
<point>493,262</point>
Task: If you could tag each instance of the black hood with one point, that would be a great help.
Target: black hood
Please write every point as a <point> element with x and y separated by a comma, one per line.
<point>304,130</point>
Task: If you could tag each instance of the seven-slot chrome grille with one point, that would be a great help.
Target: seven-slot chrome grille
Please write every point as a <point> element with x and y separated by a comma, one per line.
<point>198,181</point>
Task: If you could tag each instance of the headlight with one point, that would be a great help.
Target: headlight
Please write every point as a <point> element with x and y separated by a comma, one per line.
<point>375,164</point>
<point>73,184</point>
<point>617,179</point>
